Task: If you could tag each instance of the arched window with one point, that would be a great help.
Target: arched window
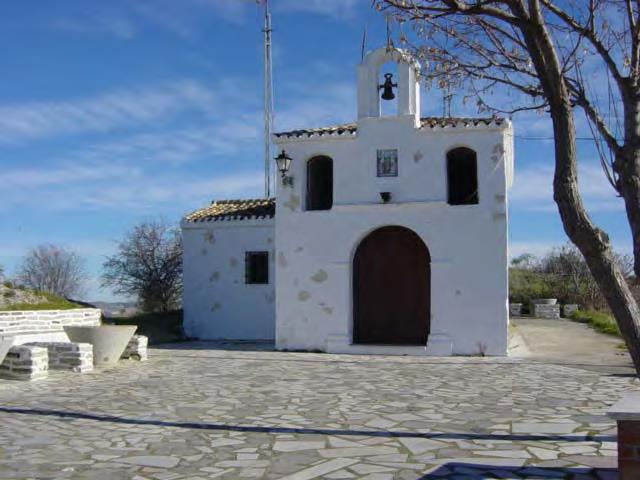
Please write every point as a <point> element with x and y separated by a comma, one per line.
<point>462,176</point>
<point>319,183</point>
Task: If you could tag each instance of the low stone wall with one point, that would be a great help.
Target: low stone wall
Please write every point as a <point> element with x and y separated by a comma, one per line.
<point>45,325</point>
<point>546,311</point>
<point>136,348</point>
<point>25,362</point>
<point>570,308</point>
<point>77,357</point>
<point>515,309</point>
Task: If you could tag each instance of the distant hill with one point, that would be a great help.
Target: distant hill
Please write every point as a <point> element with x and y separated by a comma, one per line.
<point>117,309</point>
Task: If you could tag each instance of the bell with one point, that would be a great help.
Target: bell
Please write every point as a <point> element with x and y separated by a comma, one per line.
<point>387,87</point>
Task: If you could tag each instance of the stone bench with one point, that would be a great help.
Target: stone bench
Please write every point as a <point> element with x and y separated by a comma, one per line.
<point>626,412</point>
<point>541,310</point>
<point>77,357</point>
<point>25,362</point>
<point>136,349</point>
<point>570,308</point>
<point>515,309</point>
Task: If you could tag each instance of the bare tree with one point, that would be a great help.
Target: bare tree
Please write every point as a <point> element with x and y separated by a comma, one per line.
<point>53,269</point>
<point>574,282</point>
<point>526,261</point>
<point>148,265</point>
<point>554,54</point>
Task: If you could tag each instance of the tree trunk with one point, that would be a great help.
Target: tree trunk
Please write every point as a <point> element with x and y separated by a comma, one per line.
<point>627,167</point>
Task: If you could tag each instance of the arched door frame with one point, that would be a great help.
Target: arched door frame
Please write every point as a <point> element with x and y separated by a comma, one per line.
<point>356,245</point>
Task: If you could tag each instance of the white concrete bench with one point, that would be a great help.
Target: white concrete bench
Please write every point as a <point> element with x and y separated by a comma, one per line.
<point>77,357</point>
<point>25,362</point>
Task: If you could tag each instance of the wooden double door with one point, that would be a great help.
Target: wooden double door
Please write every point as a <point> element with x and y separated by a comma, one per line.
<point>392,288</point>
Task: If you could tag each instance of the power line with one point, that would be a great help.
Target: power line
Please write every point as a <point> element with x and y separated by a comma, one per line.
<point>524,137</point>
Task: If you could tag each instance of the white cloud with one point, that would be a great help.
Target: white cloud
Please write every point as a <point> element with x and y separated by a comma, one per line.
<point>160,168</point>
<point>97,22</point>
<point>538,249</point>
<point>104,112</point>
<point>334,104</point>
<point>156,195</point>
<point>62,175</point>
<point>533,189</point>
<point>179,146</point>
<point>541,248</point>
<point>187,18</point>
<point>233,11</point>
<point>334,8</point>
<point>134,194</point>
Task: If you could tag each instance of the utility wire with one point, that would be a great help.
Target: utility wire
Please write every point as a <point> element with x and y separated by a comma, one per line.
<point>524,137</point>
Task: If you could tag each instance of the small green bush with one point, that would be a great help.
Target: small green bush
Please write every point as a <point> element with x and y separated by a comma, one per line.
<point>9,294</point>
<point>599,321</point>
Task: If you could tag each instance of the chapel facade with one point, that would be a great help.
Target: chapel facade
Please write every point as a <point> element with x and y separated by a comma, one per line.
<point>390,235</point>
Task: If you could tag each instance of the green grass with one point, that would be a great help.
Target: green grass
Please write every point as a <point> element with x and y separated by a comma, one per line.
<point>599,321</point>
<point>159,327</point>
<point>52,302</point>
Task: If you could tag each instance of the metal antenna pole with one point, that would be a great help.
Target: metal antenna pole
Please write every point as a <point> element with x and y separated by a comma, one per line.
<point>447,97</point>
<point>268,99</point>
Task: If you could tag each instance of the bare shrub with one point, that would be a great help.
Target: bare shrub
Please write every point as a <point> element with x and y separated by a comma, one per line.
<point>53,269</point>
<point>148,266</point>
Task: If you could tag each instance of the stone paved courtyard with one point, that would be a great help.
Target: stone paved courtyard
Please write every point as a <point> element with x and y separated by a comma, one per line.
<point>193,412</point>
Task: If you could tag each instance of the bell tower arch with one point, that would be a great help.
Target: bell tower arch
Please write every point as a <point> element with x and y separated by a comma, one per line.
<point>370,78</point>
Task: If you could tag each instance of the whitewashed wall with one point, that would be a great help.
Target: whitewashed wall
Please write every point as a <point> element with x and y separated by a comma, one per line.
<point>468,244</point>
<point>217,303</point>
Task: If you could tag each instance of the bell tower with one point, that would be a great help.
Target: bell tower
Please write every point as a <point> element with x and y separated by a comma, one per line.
<point>372,86</point>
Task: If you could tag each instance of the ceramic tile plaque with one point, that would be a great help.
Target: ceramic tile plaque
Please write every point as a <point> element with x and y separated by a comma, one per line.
<point>388,163</point>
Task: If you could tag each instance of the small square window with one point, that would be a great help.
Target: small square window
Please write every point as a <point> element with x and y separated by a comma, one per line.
<point>256,267</point>
<point>387,163</point>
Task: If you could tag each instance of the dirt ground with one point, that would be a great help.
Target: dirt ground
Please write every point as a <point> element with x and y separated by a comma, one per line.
<point>564,342</point>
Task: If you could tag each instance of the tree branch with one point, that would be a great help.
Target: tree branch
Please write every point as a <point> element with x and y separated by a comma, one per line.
<point>590,34</point>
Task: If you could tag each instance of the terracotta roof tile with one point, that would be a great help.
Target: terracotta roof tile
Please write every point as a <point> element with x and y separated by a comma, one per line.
<point>350,129</point>
<point>344,130</point>
<point>234,210</point>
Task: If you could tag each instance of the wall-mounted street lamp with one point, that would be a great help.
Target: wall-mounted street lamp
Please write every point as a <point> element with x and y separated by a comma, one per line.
<point>283,161</point>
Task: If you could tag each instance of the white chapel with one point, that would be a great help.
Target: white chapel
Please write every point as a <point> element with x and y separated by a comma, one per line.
<point>386,235</point>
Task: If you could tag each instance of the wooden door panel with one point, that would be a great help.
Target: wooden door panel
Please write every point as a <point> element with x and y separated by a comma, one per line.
<point>391,288</point>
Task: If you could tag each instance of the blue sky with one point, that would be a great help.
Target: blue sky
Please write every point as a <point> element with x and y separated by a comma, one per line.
<point>116,112</point>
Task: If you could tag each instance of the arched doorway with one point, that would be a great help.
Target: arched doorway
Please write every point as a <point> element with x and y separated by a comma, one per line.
<point>391,288</point>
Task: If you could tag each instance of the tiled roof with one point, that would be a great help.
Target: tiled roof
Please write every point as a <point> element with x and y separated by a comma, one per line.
<point>336,131</point>
<point>234,210</point>
<point>442,122</point>
<point>350,129</point>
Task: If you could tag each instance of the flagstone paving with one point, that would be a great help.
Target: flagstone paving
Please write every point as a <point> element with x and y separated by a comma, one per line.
<point>195,413</point>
